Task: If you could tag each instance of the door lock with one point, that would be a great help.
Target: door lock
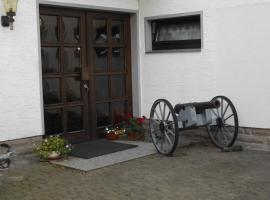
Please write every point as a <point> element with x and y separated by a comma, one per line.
<point>85,86</point>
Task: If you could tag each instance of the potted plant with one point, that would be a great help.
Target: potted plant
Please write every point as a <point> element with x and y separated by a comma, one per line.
<point>53,148</point>
<point>111,134</point>
<point>114,133</point>
<point>134,127</point>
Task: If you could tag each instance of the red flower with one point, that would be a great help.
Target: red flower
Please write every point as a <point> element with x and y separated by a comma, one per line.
<point>140,120</point>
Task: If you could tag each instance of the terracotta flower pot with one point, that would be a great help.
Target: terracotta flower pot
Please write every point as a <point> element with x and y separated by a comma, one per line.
<point>112,136</point>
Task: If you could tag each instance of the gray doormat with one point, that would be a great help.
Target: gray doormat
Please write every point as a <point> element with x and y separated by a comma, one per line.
<point>95,148</point>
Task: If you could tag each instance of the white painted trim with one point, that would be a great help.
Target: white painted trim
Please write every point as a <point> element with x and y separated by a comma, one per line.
<point>40,72</point>
<point>136,65</point>
<point>156,17</point>
<point>92,7</point>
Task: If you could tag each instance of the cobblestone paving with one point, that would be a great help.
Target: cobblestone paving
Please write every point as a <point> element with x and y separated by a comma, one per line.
<point>198,172</point>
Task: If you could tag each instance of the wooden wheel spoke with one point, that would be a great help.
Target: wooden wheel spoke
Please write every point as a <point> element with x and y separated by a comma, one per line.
<point>155,128</point>
<point>159,118</point>
<point>159,140</point>
<point>221,107</point>
<point>230,130</point>
<point>224,136</point>
<point>169,123</point>
<point>228,117</point>
<point>160,110</point>
<point>214,112</point>
<point>168,138</point>
<point>216,133</point>
<point>227,130</point>
<point>217,112</point>
<point>167,118</point>
<point>223,114</point>
<point>164,111</point>
<point>169,131</point>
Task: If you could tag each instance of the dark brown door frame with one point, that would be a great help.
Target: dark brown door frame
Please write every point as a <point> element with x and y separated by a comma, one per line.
<point>87,71</point>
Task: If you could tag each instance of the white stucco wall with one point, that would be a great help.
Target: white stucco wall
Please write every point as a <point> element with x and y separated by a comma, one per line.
<point>234,60</point>
<point>21,112</point>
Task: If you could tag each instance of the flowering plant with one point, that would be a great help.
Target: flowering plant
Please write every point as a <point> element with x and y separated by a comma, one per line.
<point>53,144</point>
<point>131,126</point>
<point>117,130</point>
<point>134,124</point>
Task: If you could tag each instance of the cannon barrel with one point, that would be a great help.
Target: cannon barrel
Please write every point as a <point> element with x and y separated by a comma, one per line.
<point>198,105</point>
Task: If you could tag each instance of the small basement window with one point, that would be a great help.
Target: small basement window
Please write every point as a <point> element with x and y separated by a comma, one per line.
<point>174,33</point>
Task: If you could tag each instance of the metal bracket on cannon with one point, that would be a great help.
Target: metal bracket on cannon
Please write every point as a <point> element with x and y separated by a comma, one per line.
<point>5,158</point>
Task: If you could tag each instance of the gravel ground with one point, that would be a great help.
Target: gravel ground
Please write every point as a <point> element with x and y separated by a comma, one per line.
<point>194,172</point>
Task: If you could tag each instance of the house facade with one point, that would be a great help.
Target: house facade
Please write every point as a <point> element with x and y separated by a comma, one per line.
<point>56,77</point>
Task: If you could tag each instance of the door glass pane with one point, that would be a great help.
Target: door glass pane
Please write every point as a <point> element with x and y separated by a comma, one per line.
<point>118,85</point>
<point>102,87</point>
<point>51,91</point>
<point>73,89</point>
<point>101,59</point>
<point>53,121</point>
<point>50,59</point>
<point>74,118</point>
<point>48,28</point>
<point>119,110</point>
<point>71,29</point>
<point>118,59</point>
<point>117,31</point>
<point>71,59</point>
<point>100,31</point>
<point>103,114</point>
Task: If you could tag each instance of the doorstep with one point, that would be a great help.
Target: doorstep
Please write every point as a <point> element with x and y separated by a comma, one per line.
<point>143,149</point>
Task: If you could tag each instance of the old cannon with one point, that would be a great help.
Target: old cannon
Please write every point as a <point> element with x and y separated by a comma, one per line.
<point>219,116</point>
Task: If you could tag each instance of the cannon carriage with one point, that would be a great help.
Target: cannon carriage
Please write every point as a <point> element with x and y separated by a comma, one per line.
<point>218,116</point>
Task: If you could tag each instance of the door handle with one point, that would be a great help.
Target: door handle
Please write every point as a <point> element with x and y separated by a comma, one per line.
<point>85,86</point>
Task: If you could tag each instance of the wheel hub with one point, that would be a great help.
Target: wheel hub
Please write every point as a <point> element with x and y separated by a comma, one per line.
<point>162,127</point>
<point>219,122</point>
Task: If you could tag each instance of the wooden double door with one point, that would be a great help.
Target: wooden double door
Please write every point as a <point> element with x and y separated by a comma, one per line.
<point>86,71</point>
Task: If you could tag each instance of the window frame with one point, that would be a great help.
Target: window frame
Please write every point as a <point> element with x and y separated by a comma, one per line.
<point>176,45</point>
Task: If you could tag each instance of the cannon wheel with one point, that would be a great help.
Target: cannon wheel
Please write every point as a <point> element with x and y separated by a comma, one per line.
<point>163,126</point>
<point>223,132</point>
